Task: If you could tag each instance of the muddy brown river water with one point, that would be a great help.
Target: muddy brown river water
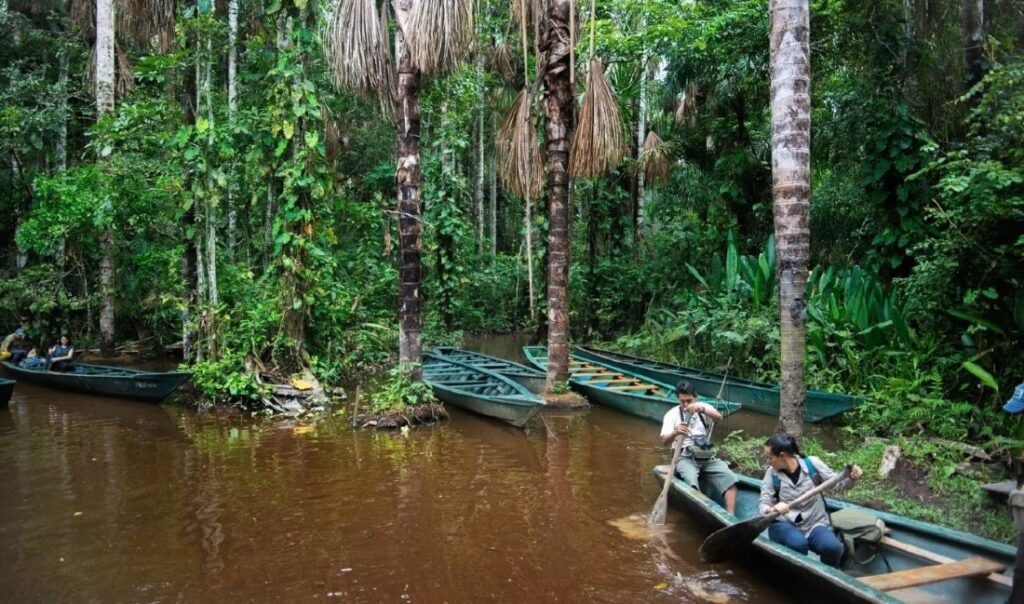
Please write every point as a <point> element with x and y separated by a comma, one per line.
<point>110,501</point>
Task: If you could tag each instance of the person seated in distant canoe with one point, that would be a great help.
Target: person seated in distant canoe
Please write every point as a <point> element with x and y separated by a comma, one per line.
<point>693,422</point>
<point>61,355</point>
<point>790,475</point>
<point>11,349</point>
<point>32,360</point>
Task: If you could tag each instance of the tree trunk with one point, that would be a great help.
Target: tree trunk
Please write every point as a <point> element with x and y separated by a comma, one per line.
<point>105,107</point>
<point>493,177</point>
<point>62,131</point>
<point>232,115</point>
<point>408,177</point>
<point>558,106</point>
<point>641,136</point>
<point>479,192</point>
<point>791,192</point>
<point>189,272</point>
<point>973,14</point>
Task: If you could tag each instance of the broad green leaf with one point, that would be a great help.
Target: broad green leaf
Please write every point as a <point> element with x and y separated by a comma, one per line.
<point>202,125</point>
<point>984,376</point>
<point>975,319</point>
<point>289,130</point>
<point>312,138</point>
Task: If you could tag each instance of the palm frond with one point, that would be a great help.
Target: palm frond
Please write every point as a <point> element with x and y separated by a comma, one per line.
<point>358,51</point>
<point>439,34</point>
<point>686,110</point>
<point>598,145</point>
<point>519,159</point>
<point>656,159</point>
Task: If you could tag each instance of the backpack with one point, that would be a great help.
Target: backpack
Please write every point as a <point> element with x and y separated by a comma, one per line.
<point>859,527</point>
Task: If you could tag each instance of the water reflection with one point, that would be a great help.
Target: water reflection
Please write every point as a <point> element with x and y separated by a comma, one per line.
<point>119,501</point>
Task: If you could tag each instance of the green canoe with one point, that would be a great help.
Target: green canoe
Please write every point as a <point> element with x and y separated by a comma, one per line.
<point>479,390</point>
<point>634,395</point>
<point>533,380</point>
<point>908,545</point>
<point>119,382</point>
<point>754,396</point>
<point>6,389</point>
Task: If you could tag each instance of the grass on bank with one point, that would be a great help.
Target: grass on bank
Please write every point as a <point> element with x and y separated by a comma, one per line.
<point>925,485</point>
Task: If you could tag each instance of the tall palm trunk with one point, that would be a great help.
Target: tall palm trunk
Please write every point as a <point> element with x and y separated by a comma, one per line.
<point>791,192</point>
<point>408,177</point>
<point>493,178</point>
<point>232,114</point>
<point>558,106</point>
<point>105,107</point>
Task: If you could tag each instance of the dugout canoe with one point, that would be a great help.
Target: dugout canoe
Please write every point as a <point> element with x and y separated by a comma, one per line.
<point>929,563</point>
<point>532,379</point>
<point>6,389</point>
<point>755,396</point>
<point>634,395</point>
<point>104,380</point>
<point>479,390</point>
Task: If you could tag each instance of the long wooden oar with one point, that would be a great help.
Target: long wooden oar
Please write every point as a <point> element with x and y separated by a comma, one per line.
<point>731,540</point>
<point>661,505</point>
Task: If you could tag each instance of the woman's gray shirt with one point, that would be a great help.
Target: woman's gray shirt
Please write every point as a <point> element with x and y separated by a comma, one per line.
<point>810,513</point>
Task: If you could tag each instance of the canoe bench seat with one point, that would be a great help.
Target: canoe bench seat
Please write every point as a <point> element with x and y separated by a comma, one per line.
<point>968,567</point>
<point>632,387</point>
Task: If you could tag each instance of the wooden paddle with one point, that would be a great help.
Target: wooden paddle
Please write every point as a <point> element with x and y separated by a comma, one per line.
<point>728,541</point>
<point>661,505</point>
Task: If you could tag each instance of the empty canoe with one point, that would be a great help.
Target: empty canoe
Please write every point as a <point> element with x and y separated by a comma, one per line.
<point>533,379</point>
<point>479,390</point>
<point>634,395</point>
<point>754,396</point>
<point>103,380</point>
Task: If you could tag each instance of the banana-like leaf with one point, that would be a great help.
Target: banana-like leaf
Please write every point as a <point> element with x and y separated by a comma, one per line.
<point>984,376</point>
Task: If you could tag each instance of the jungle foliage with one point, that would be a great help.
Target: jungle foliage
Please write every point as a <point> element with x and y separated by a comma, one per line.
<point>916,298</point>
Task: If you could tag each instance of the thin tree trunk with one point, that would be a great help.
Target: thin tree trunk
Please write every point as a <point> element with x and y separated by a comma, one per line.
<point>528,220</point>
<point>558,106</point>
<point>641,135</point>
<point>105,107</point>
<point>62,133</point>
<point>232,115</point>
<point>480,218</point>
<point>493,176</point>
<point>973,14</point>
<point>189,271</point>
<point>791,192</point>
<point>408,177</point>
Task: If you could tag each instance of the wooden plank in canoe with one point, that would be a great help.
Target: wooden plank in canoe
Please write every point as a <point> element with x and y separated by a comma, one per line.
<point>968,567</point>
<point>924,554</point>
<point>1001,489</point>
<point>633,387</point>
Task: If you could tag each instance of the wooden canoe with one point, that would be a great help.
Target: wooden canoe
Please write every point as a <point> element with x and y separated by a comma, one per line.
<point>479,390</point>
<point>634,395</point>
<point>103,380</point>
<point>759,397</point>
<point>6,389</point>
<point>929,563</point>
<point>532,379</point>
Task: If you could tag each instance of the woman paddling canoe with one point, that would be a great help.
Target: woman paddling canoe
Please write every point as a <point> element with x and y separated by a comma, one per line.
<point>807,525</point>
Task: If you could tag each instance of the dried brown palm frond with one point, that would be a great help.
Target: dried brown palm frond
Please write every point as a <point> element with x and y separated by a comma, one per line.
<point>439,34</point>
<point>149,21</point>
<point>33,7</point>
<point>598,145</point>
<point>499,60</point>
<point>656,159</point>
<point>519,160</point>
<point>686,110</point>
<point>358,51</point>
<point>534,12</point>
<point>83,16</point>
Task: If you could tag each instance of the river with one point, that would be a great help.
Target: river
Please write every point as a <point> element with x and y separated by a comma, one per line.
<point>111,501</point>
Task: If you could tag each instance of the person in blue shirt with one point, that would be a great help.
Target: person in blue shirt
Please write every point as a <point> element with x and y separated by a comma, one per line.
<point>61,355</point>
<point>1014,406</point>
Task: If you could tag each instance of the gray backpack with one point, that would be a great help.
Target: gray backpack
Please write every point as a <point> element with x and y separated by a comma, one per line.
<point>857,527</point>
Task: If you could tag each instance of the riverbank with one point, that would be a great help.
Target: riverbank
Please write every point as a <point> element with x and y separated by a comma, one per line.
<point>931,481</point>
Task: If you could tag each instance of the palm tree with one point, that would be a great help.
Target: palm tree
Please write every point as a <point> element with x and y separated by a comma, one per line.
<point>104,108</point>
<point>560,120</point>
<point>431,37</point>
<point>791,192</point>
